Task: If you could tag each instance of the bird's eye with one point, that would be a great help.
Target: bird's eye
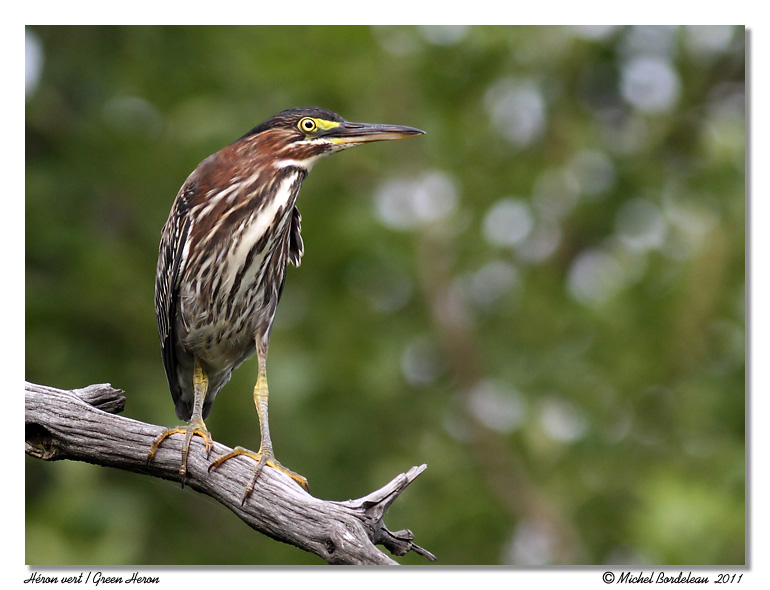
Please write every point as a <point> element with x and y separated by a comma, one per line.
<point>307,125</point>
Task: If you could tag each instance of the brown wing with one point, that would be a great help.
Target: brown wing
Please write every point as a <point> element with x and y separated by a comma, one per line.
<point>296,247</point>
<point>170,263</point>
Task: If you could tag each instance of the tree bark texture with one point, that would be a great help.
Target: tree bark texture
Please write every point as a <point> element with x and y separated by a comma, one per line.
<point>83,425</point>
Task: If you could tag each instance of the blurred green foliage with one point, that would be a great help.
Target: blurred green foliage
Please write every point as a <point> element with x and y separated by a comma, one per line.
<point>542,298</point>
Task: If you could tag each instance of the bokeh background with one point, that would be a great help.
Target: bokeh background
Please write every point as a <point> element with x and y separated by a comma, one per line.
<point>543,298</point>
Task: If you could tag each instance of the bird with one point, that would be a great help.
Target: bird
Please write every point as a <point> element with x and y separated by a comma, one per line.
<point>233,229</point>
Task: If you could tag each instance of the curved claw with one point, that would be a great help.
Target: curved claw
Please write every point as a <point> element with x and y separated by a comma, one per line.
<point>195,427</point>
<point>262,458</point>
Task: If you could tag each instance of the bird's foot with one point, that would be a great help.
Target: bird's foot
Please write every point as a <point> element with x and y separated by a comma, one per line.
<point>195,427</point>
<point>262,458</point>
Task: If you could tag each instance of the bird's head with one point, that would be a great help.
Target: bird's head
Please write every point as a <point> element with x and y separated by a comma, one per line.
<point>299,137</point>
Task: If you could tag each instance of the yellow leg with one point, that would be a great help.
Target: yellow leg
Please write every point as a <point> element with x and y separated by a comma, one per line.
<point>195,426</point>
<point>265,455</point>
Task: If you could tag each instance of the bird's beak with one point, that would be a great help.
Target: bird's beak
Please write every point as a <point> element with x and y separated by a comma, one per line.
<point>356,133</point>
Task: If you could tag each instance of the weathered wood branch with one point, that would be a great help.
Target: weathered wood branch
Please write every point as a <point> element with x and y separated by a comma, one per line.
<point>82,425</point>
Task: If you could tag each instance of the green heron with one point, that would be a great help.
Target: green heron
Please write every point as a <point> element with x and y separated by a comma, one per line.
<point>232,230</point>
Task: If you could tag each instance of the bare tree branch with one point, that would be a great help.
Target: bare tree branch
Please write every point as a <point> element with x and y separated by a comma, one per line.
<point>82,425</point>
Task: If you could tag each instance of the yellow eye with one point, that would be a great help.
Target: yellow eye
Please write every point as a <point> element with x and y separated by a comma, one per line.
<point>307,125</point>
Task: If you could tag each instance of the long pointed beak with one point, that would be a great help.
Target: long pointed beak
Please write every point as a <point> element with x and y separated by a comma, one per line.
<point>356,133</point>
